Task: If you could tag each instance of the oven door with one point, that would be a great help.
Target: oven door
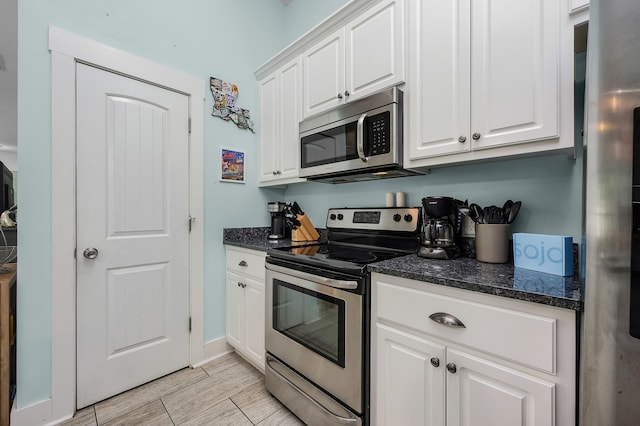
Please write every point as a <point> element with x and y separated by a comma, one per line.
<point>316,329</point>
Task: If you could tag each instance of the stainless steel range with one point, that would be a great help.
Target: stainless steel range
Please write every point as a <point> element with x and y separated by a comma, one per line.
<point>317,321</point>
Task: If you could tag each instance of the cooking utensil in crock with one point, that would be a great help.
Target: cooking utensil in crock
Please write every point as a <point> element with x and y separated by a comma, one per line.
<point>514,211</point>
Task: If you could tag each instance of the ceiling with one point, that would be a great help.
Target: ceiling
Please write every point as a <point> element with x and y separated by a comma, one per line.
<point>9,83</point>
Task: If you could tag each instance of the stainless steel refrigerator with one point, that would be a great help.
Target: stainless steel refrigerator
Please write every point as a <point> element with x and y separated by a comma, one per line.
<point>610,327</point>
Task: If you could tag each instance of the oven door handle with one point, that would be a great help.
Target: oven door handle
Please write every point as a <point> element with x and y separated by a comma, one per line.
<point>330,282</point>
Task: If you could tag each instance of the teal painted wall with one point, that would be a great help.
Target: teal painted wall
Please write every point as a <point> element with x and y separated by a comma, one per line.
<point>302,15</point>
<point>226,39</point>
<point>550,188</point>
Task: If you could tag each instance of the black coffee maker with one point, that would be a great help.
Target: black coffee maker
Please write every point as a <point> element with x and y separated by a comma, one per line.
<point>278,223</point>
<point>441,228</point>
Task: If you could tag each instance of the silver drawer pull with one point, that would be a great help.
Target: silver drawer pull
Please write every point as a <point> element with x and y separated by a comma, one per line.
<point>243,263</point>
<point>447,319</point>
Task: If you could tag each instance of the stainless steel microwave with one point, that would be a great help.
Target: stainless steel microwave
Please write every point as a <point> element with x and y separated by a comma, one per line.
<point>361,140</point>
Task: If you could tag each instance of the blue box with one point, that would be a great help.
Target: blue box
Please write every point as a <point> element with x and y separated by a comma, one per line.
<point>552,254</point>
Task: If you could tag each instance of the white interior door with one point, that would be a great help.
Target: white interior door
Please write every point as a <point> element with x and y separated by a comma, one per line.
<point>133,208</point>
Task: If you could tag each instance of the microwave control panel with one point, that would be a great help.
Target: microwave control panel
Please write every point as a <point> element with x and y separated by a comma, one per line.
<point>379,137</point>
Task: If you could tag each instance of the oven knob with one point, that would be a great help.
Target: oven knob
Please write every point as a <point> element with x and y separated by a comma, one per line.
<point>408,218</point>
<point>332,216</point>
<point>397,217</point>
<point>340,216</point>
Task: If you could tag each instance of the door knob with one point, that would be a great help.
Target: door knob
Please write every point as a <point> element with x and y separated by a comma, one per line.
<point>90,253</point>
<point>476,136</point>
<point>435,362</point>
<point>462,139</point>
<point>451,368</point>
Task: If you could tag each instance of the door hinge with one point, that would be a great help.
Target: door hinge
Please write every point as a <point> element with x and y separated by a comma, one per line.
<point>191,220</point>
<point>189,324</point>
<point>189,125</point>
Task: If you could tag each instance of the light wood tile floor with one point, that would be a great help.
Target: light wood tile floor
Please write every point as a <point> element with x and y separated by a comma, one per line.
<point>225,391</point>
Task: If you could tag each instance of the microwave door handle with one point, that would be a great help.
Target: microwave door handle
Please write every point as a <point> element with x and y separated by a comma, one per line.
<point>360,138</point>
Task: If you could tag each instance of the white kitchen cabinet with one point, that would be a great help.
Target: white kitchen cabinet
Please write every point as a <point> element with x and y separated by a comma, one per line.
<point>513,362</point>
<point>578,5</point>
<point>409,390</point>
<point>280,110</point>
<point>245,285</point>
<point>364,56</point>
<point>483,80</point>
<point>487,393</point>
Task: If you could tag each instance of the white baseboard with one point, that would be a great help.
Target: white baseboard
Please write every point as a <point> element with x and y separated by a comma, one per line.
<point>214,349</point>
<point>34,414</point>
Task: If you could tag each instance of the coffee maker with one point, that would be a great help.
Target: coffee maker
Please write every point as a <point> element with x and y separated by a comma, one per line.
<point>278,223</point>
<point>441,228</point>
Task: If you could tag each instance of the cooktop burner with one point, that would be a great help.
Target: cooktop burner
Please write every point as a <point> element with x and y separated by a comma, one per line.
<point>358,237</point>
<point>340,253</point>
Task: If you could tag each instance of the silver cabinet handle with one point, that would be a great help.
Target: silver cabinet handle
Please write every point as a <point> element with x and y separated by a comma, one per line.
<point>346,93</point>
<point>243,263</point>
<point>476,136</point>
<point>339,95</point>
<point>435,362</point>
<point>451,368</point>
<point>90,253</point>
<point>462,139</point>
<point>447,319</point>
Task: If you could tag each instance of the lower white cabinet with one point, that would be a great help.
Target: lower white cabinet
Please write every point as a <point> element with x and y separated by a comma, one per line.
<point>245,303</point>
<point>481,372</point>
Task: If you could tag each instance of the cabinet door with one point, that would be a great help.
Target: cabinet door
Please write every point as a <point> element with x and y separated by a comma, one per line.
<point>480,392</point>
<point>439,43</point>
<point>290,98</point>
<point>515,71</point>
<point>375,50</point>
<point>578,5</point>
<point>268,127</point>
<point>254,320</point>
<point>408,388</point>
<point>235,310</point>
<point>324,74</point>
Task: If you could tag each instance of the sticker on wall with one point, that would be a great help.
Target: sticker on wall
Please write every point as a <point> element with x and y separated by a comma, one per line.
<point>232,163</point>
<point>224,104</point>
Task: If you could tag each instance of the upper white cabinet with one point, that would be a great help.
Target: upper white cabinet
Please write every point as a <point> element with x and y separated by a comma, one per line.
<point>364,56</point>
<point>484,80</point>
<point>324,74</point>
<point>578,5</point>
<point>280,108</point>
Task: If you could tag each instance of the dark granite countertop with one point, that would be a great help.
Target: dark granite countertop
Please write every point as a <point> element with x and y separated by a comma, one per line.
<point>258,239</point>
<point>497,279</point>
<point>466,273</point>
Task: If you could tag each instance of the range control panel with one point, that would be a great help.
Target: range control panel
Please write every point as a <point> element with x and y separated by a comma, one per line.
<point>403,219</point>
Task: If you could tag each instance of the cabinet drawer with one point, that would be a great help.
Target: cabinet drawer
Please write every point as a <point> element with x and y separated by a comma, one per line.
<point>522,337</point>
<point>245,261</point>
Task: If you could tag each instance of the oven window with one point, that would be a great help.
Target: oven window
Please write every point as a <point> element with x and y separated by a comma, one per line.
<point>330,146</point>
<point>312,319</point>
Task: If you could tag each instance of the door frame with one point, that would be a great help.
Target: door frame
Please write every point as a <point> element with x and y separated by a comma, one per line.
<point>66,50</point>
